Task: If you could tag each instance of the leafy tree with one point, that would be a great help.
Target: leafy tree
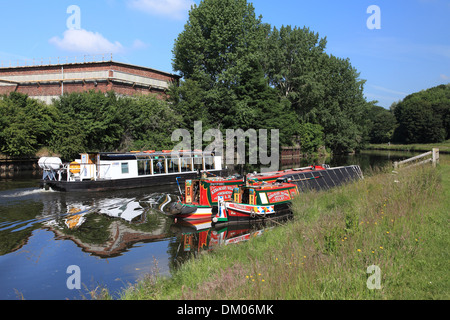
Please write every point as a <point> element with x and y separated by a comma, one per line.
<point>292,61</point>
<point>339,105</point>
<point>382,124</point>
<point>424,116</point>
<point>310,137</point>
<point>87,122</point>
<point>219,43</point>
<point>26,124</point>
<point>150,123</point>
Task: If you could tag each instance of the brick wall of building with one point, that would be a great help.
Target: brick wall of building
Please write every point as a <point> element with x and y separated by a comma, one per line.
<point>46,81</point>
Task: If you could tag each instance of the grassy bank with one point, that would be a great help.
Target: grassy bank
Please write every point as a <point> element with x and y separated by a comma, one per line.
<point>397,222</point>
<point>444,147</point>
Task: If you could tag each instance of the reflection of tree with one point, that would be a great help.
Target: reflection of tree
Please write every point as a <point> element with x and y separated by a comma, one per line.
<point>12,239</point>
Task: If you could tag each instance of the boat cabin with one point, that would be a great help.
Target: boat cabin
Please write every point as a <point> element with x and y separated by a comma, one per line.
<point>206,191</point>
<point>264,193</point>
<point>111,166</point>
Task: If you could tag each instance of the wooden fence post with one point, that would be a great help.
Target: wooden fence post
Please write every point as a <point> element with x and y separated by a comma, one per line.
<point>435,156</point>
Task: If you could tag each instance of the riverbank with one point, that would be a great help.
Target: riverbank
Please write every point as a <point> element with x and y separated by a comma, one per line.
<point>444,147</point>
<point>395,222</point>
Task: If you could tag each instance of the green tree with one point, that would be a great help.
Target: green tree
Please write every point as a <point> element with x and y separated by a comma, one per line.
<point>310,137</point>
<point>88,121</point>
<point>381,125</point>
<point>424,116</point>
<point>150,123</point>
<point>26,124</point>
<point>219,43</point>
<point>292,61</point>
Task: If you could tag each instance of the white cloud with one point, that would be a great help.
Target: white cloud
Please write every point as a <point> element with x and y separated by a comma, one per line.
<point>175,9</point>
<point>444,77</point>
<point>86,41</point>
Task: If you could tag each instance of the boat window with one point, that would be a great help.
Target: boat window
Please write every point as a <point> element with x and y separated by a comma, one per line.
<point>198,163</point>
<point>186,164</point>
<point>158,166</point>
<point>144,167</point>
<point>173,165</point>
<point>209,163</point>
<point>124,166</point>
<point>263,198</point>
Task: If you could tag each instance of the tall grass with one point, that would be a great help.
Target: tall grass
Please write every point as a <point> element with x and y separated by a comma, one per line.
<point>397,222</point>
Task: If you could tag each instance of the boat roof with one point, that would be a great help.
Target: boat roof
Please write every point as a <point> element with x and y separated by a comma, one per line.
<point>152,153</point>
<point>285,172</point>
<point>268,186</point>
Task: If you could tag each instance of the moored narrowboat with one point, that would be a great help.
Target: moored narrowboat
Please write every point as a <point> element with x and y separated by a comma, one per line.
<point>255,203</point>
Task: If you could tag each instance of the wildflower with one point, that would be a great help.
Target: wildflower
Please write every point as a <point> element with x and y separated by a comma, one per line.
<point>263,280</point>
<point>359,250</point>
<point>381,248</point>
<point>373,251</point>
<point>387,232</point>
<point>417,240</point>
<point>246,277</point>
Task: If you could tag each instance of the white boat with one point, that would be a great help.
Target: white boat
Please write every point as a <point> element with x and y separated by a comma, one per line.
<point>107,170</point>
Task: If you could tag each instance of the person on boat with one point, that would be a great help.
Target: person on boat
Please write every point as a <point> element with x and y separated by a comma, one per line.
<point>159,165</point>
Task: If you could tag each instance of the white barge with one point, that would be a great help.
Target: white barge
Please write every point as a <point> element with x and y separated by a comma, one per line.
<point>106,170</point>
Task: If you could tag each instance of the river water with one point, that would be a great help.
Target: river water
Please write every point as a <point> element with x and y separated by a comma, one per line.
<point>44,233</point>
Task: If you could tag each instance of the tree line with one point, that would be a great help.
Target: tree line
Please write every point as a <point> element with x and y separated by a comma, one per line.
<point>87,121</point>
<point>237,73</point>
<point>421,117</point>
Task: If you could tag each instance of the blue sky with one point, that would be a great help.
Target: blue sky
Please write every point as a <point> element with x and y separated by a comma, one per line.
<point>410,52</point>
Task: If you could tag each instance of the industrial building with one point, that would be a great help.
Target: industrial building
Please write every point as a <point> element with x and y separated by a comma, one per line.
<point>48,81</point>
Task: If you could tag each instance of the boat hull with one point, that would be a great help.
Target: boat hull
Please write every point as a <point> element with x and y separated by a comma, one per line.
<point>233,213</point>
<point>128,183</point>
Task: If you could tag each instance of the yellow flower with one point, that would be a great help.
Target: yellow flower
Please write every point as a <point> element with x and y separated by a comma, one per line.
<point>387,232</point>
<point>246,277</point>
<point>381,248</point>
<point>373,251</point>
<point>263,280</point>
<point>359,250</point>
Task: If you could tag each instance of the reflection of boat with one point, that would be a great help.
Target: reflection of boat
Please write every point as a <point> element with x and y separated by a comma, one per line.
<point>106,171</point>
<point>256,202</point>
<point>102,236</point>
